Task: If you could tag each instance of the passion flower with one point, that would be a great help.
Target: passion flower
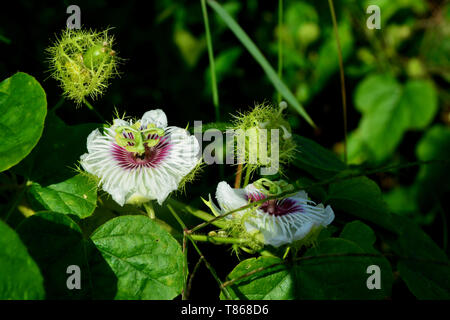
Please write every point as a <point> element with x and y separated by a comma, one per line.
<point>142,160</point>
<point>279,221</point>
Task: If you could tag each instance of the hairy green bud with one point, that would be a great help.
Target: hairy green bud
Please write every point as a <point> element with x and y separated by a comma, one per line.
<point>256,127</point>
<point>83,61</point>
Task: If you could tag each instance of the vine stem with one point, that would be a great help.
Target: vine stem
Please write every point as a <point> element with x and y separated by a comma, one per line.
<point>212,64</point>
<point>184,293</point>
<point>280,43</point>
<point>237,181</point>
<point>90,107</point>
<point>187,233</point>
<point>58,104</point>
<point>247,175</point>
<point>191,278</point>
<point>217,240</point>
<point>341,72</point>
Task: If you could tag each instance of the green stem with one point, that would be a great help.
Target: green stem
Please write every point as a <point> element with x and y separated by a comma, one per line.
<point>185,292</point>
<point>210,268</point>
<point>212,65</point>
<point>94,110</point>
<point>237,180</point>
<point>58,104</point>
<point>191,278</point>
<point>217,240</point>
<point>286,252</point>
<point>280,44</point>
<point>149,209</point>
<point>247,175</point>
<point>341,72</point>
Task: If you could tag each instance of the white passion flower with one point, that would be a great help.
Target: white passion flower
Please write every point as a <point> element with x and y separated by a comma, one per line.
<point>141,161</point>
<point>279,221</point>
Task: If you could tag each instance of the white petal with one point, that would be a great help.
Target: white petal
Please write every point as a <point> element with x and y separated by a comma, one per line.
<point>229,198</point>
<point>301,195</point>
<point>120,122</point>
<point>157,117</point>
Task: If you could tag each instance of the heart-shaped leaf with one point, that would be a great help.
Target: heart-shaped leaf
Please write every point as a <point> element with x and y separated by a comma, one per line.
<point>20,277</point>
<point>77,196</point>
<point>23,107</point>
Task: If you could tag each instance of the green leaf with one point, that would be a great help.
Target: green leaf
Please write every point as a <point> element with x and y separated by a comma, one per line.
<point>362,198</point>
<point>57,153</point>
<point>340,276</point>
<point>260,59</point>
<point>420,99</point>
<point>426,280</point>
<point>376,90</point>
<point>20,277</point>
<point>389,109</point>
<point>402,200</point>
<point>23,107</point>
<point>274,283</point>
<point>146,259</point>
<point>315,159</point>
<point>77,196</point>
<point>384,122</point>
<point>359,233</point>
<point>433,178</point>
<point>129,257</point>
<point>56,242</point>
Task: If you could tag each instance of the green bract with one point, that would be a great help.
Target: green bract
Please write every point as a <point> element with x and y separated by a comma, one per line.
<point>83,61</point>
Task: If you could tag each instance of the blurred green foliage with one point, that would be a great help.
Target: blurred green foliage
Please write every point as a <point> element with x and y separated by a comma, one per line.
<point>398,113</point>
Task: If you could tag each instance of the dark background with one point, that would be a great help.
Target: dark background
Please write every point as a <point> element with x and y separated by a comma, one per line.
<point>154,75</point>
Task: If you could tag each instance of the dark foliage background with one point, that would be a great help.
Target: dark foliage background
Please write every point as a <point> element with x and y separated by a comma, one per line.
<point>166,66</point>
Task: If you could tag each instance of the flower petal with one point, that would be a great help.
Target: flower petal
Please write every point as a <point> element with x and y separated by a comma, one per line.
<point>229,198</point>
<point>157,117</point>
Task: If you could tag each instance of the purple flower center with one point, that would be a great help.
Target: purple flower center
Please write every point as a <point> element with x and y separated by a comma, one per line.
<point>275,207</point>
<point>151,158</point>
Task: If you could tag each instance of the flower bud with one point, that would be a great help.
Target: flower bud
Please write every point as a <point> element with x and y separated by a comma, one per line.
<point>83,61</point>
<point>262,143</point>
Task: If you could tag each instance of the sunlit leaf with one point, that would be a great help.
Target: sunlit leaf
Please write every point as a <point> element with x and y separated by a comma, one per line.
<point>129,257</point>
<point>77,196</point>
<point>23,106</point>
